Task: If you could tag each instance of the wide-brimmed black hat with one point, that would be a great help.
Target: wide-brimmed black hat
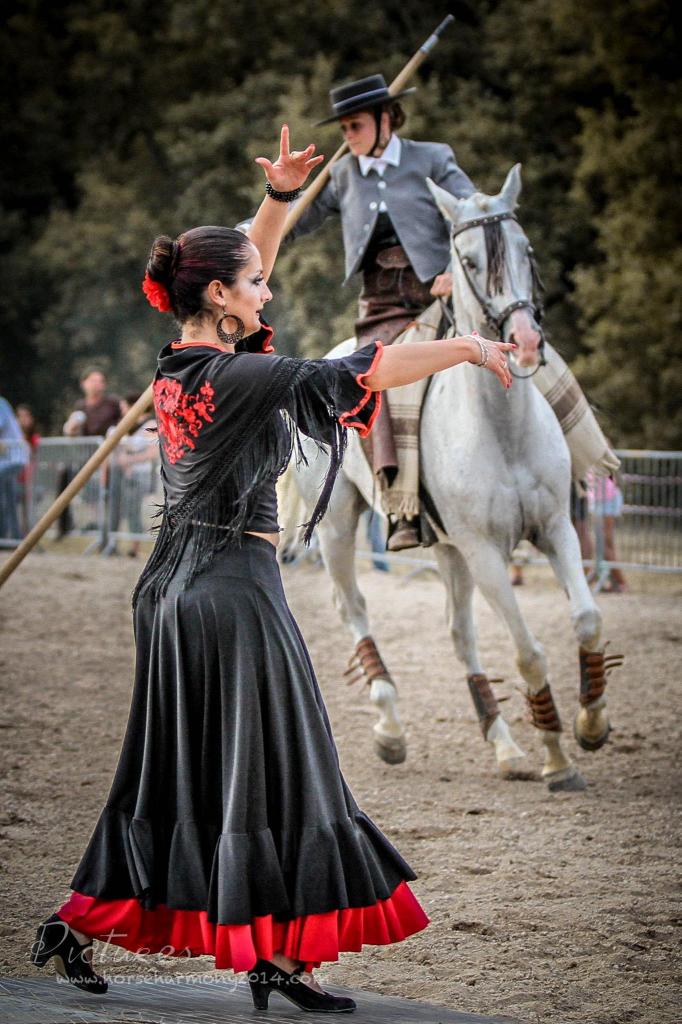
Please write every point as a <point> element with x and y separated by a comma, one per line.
<point>364,94</point>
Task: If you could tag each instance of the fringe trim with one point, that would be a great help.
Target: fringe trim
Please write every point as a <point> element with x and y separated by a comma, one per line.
<point>299,398</point>
<point>607,464</point>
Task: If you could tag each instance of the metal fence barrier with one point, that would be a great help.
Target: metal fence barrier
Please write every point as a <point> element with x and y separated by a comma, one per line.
<point>54,464</point>
<point>116,502</point>
<point>134,495</point>
<point>648,515</point>
<point>635,522</point>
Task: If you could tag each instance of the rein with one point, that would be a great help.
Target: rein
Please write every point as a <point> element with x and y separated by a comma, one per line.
<point>495,320</point>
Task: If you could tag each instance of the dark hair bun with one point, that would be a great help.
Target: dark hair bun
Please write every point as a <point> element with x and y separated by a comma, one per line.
<point>160,263</point>
<point>185,267</point>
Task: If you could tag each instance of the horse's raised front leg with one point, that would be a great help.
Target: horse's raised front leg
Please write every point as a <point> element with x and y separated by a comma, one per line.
<point>459,587</point>
<point>337,544</point>
<point>591,724</point>
<point>489,571</point>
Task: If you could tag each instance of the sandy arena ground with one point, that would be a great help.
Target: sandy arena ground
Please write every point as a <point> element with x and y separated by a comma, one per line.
<point>543,907</point>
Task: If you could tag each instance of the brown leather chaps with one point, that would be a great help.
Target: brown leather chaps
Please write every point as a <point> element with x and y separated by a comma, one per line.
<point>392,296</point>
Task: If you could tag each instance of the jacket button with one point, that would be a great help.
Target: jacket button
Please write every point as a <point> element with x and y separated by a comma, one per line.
<point>365,227</point>
<point>381,184</point>
<point>372,206</point>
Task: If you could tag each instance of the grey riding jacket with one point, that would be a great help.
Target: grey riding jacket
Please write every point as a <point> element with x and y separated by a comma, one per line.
<point>417,221</point>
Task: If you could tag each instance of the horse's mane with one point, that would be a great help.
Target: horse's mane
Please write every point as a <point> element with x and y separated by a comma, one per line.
<point>495,254</point>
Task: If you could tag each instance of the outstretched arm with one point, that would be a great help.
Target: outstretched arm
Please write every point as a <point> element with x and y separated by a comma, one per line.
<point>288,173</point>
<point>404,364</point>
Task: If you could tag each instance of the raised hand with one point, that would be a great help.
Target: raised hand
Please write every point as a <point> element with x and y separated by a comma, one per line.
<point>290,170</point>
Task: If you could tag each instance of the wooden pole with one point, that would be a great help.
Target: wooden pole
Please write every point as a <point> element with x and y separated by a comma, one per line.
<point>79,481</point>
<point>398,83</point>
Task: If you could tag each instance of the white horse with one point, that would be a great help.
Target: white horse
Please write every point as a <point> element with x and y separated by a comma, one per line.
<point>498,470</point>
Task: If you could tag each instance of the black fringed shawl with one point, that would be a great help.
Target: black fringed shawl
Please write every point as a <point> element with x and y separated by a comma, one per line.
<point>228,422</point>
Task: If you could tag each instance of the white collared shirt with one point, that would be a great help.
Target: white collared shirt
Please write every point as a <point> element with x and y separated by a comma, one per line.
<point>391,155</point>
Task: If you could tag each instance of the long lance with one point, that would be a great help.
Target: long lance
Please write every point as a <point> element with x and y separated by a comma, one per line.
<point>145,400</point>
<point>398,83</point>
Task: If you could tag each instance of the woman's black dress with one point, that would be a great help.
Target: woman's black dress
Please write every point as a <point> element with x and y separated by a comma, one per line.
<point>229,828</point>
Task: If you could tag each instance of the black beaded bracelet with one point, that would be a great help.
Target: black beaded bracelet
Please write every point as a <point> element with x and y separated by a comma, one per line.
<point>282,197</point>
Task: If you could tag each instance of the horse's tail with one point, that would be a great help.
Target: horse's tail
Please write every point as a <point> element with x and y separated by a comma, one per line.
<point>291,512</point>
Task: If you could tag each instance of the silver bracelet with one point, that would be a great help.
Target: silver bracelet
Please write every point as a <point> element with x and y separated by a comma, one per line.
<point>485,351</point>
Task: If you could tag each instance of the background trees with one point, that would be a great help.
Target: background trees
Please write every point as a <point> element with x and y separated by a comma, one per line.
<point>122,121</point>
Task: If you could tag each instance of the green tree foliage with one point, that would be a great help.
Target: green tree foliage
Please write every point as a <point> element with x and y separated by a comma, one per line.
<point>122,121</point>
<point>629,177</point>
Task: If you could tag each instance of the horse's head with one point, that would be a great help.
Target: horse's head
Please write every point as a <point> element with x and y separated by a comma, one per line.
<point>493,260</point>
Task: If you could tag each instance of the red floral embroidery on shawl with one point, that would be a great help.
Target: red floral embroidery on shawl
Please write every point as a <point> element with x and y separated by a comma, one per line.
<point>180,416</point>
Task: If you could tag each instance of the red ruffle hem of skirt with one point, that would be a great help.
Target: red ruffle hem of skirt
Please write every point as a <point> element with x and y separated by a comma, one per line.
<point>312,938</point>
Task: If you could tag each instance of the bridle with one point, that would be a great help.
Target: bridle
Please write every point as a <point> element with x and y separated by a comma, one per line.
<point>495,320</point>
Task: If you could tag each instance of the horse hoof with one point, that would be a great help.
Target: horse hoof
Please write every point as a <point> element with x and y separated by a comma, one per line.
<point>515,769</point>
<point>566,780</point>
<point>587,742</point>
<point>391,749</point>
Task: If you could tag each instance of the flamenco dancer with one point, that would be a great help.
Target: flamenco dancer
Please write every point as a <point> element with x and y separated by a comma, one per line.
<point>229,829</point>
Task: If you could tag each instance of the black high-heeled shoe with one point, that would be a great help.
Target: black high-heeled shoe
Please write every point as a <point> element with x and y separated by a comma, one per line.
<point>55,939</point>
<point>267,977</point>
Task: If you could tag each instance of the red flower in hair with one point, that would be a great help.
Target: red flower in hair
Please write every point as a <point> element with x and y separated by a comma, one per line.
<point>157,294</point>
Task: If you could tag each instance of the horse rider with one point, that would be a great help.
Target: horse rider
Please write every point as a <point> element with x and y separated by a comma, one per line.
<point>393,235</point>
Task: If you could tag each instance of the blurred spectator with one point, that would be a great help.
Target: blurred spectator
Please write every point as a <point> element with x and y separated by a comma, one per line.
<point>96,411</point>
<point>134,472</point>
<point>27,422</point>
<point>92,416</point>
<point>14,455</point>
<point>606,502</point>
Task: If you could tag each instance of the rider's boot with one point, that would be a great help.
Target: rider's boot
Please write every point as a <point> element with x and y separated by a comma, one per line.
<point>404,533</point>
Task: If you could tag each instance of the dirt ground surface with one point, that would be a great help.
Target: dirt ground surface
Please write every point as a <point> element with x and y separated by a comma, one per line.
<point>544,907</point>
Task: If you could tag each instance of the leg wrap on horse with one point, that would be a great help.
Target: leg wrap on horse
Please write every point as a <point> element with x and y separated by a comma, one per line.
<point>366,663</point>
<point>484,700</point>
<point>594,668</point>
<point>543,710</point>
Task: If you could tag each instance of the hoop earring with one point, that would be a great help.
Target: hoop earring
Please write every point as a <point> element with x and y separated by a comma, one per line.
<point>235,336</point>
